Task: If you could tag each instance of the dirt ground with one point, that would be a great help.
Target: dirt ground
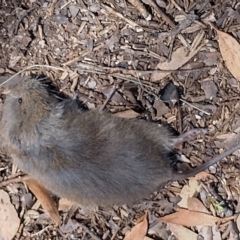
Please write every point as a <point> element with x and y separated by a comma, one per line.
<point>168,62</point>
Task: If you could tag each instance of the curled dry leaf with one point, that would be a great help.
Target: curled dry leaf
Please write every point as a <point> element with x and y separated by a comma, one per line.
<point>180,57</point>
<point>44,198</point>
<point>189,218</point>
<point>126,114</point>
<point>206,233</point>
<point>230,50</point>
<point>238,222</point>
<point>9,221</point>
<point>181,232</point>
<point>195,204</point>
<point>209,87</point>
<point>232,139</point>
<point>160,107</point>
<point>116,97</point>
<point>64,204</point>
<point>13,61</point>
<point>216,233</point>
<point>190,190</point>
<point>139,231</point>
<point>184,194</point>
<point>202,175</point>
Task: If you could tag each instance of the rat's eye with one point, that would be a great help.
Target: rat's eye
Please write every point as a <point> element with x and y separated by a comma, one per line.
<point>20,100</point>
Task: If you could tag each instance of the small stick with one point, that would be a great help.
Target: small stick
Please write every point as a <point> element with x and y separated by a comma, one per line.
<point>108,98</point>
<point>14,180</point>
<point>129,21</point>
<point>141,8</point>
<point>70,213</point>
<point>161,13</point>
<point>92,235</point>
<point>21,18</point>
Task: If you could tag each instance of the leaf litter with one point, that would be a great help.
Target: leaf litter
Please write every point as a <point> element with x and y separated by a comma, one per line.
<point>9,220</point>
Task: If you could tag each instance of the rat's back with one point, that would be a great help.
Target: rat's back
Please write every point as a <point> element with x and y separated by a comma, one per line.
<point>90,157</point>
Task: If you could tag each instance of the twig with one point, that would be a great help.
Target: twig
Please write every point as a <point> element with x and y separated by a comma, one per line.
<point>14,180</point>
<point>141,8</point>
<point>41,231</point>
<point>216,5</point>
<point>29,67</point>
<point>135,69</point>
<point>97,68</point>
<point>207,113</point>
<point>21,18</point>
<point>83,54</point>
<point>185,14</point>
<point>92,235</point>
<point>19,232</point>
<point>18,174</point>
<point>108,98</point>
<point>70,213</point>
<point>137,81</point>
<point>51,9</point>
<point>64,5</point>
<point>129,21</point>
<point>161,13</point>
<point>190,18</point>
<point>100,71</point>
<point>230,117</point>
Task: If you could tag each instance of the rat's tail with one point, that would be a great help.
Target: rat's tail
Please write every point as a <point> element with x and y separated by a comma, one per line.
<point>193,172</point>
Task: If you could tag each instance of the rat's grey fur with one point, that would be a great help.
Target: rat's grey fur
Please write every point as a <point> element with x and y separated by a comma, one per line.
<point>91,158</point>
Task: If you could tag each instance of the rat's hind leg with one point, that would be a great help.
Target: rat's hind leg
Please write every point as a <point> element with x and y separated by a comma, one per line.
<point>187,136</point>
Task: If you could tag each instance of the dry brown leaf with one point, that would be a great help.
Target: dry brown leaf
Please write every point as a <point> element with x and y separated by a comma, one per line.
<point>238,222</point>
<point>139,231</point>
<point>202,175</point>
<point>209,87</point>
<point>216,233</point>
<point>64,204</point>
<point>180,57</point>
<point>230,50</point>
<point>127,114</point>
<point>205,232</point>
<point>188,191</point>
<point>13,61</point>
<point>232,139</point>
<point>184,194</point>
<point>160,107</point>
<point>189,218</point>
<point>117,98</point>
<point>44,198</point>
<point>195,204</point>
<point>181,232</point>
<point>194,185</point>
<point>9,221</point>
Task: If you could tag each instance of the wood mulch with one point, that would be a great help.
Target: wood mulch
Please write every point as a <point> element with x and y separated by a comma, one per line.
<point>164,60</point>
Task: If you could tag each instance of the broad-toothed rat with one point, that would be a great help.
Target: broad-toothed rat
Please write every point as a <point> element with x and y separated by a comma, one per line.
<point>89,157</point>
